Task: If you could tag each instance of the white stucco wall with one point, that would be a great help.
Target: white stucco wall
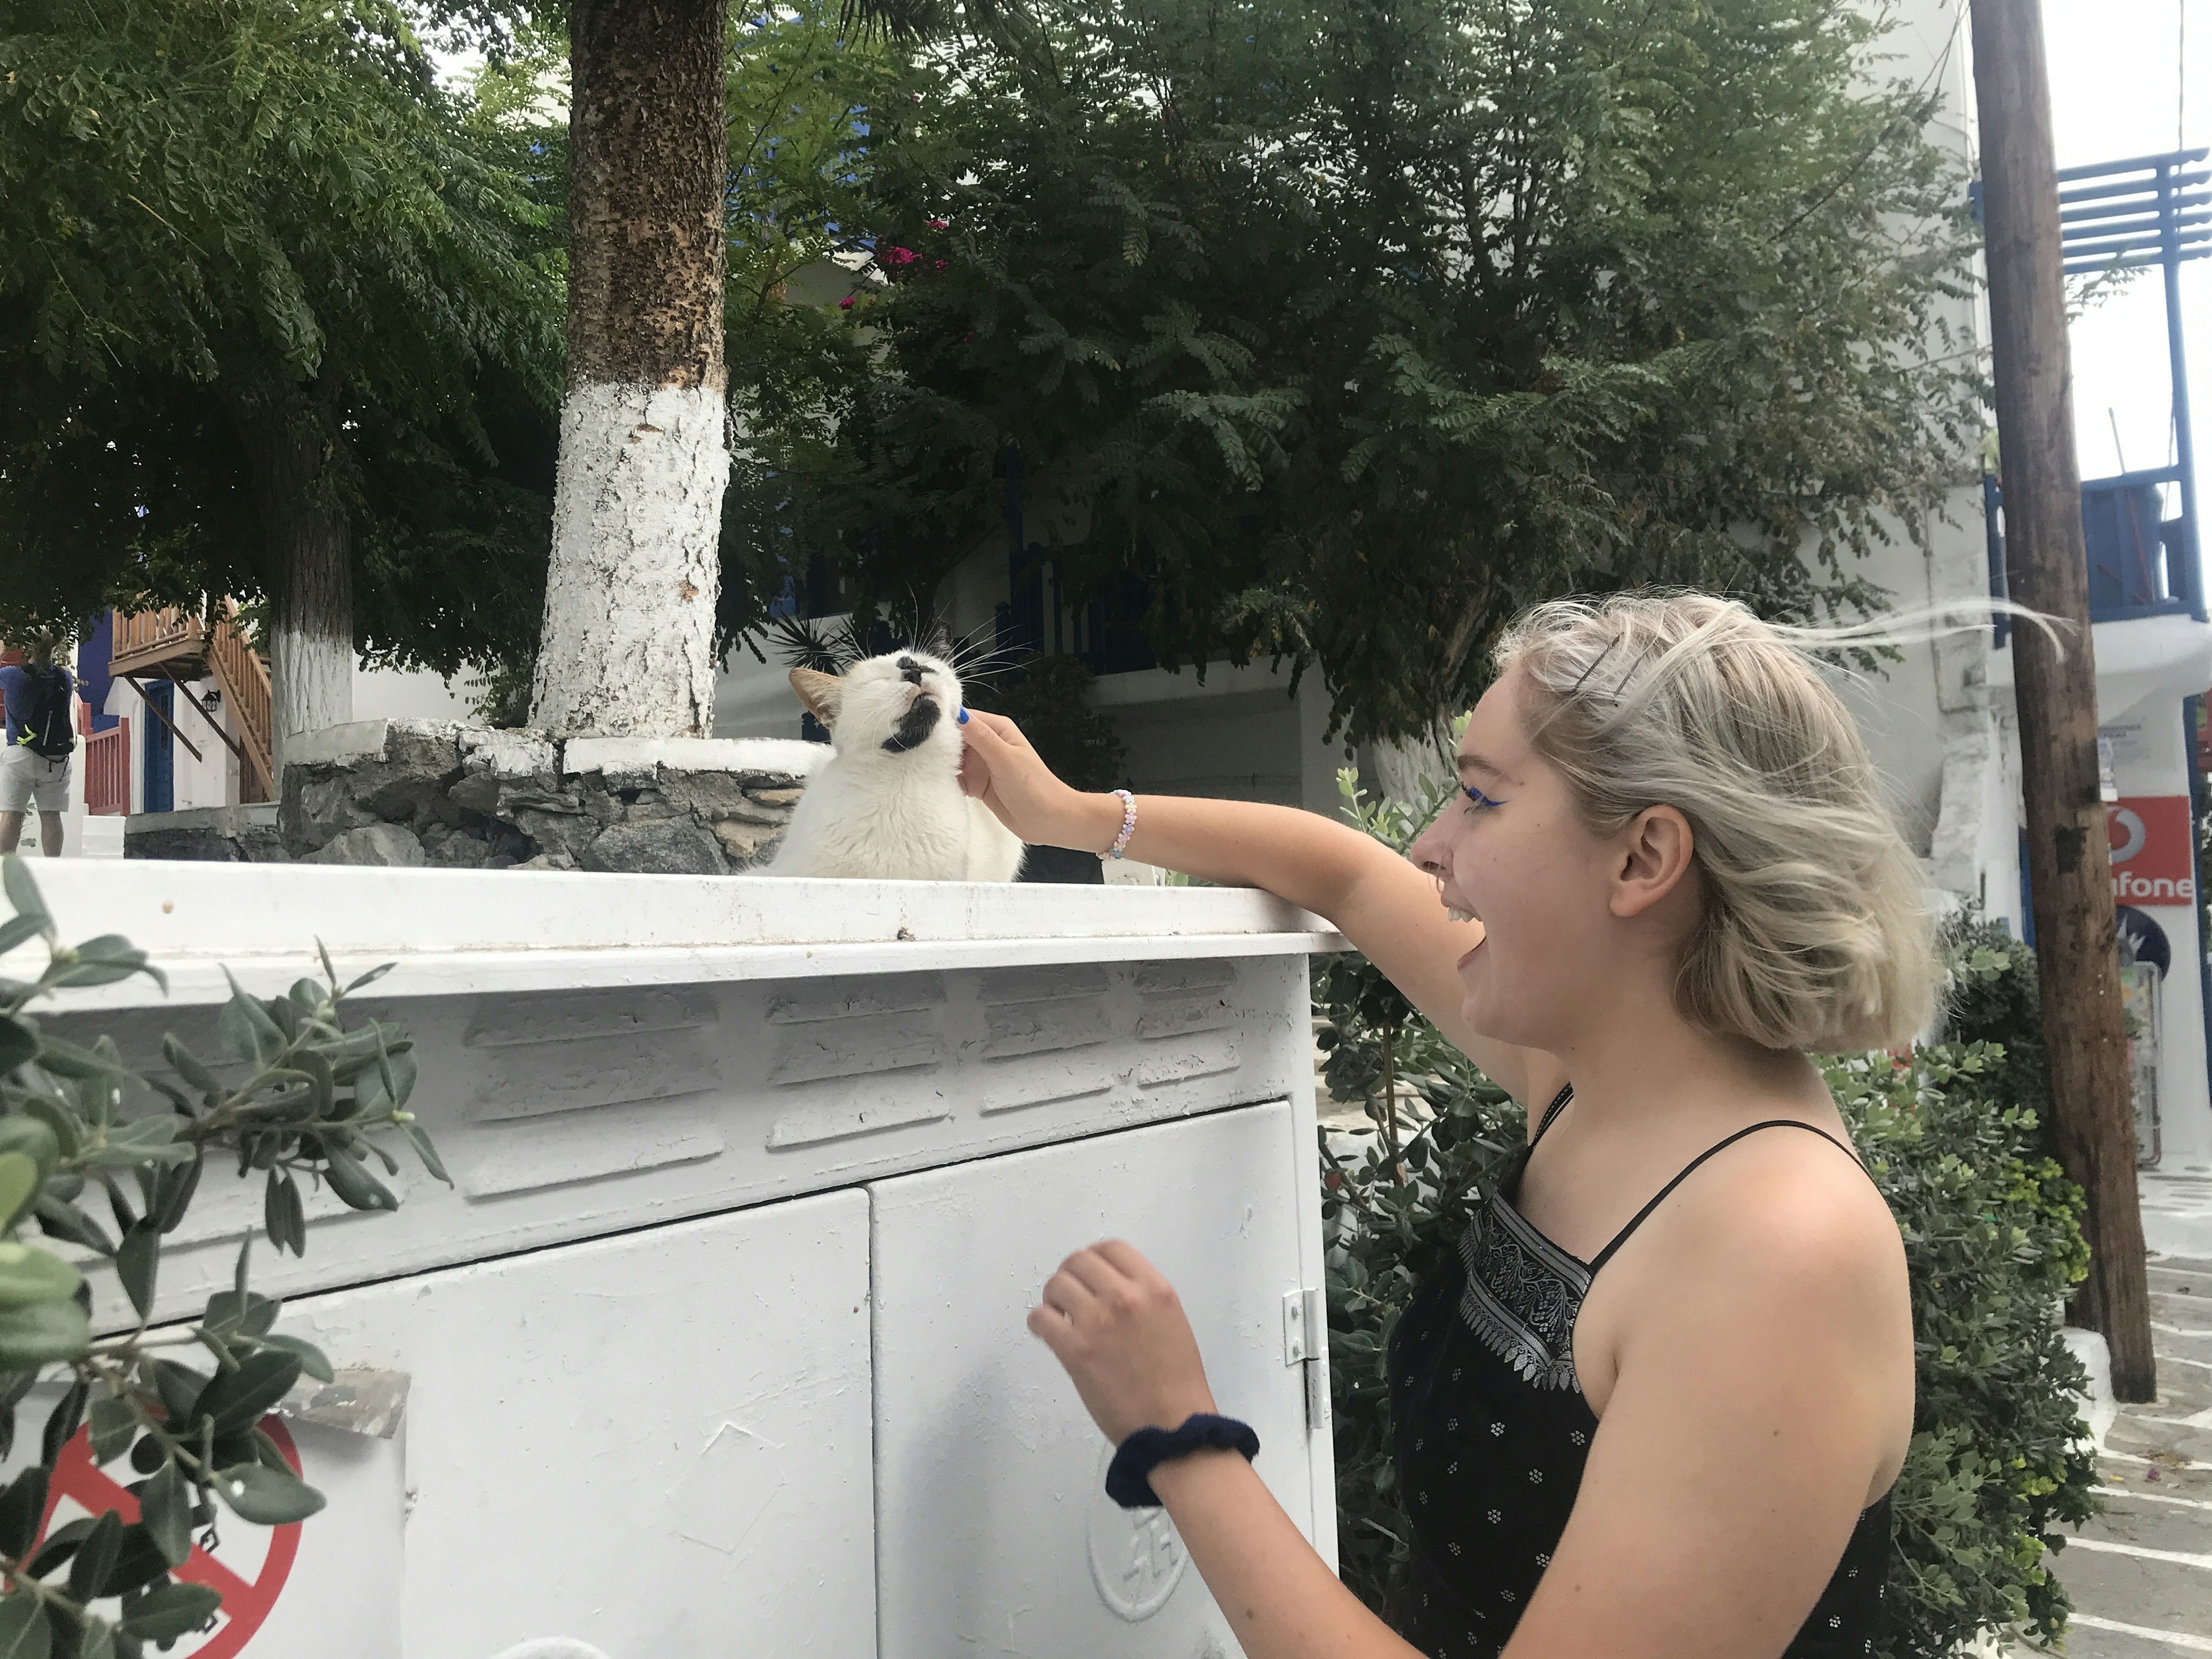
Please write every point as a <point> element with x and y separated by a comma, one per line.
<point>410,693</point>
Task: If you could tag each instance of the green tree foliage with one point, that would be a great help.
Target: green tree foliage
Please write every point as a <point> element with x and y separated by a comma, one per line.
<point>1993,1244</point>
<point>1355,329</point>
<point>217,216</point>
<point>184,1404</point>
<point>807,101</point>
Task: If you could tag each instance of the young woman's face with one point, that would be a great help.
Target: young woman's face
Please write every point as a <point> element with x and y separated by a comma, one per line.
<point>1512,852</point>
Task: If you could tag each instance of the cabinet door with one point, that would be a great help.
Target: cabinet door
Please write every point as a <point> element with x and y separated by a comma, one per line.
<point>657,1443</point>
<point>994,1533</point>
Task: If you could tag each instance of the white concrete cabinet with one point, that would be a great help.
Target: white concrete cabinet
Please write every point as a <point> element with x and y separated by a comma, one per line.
<point>716,1347</point>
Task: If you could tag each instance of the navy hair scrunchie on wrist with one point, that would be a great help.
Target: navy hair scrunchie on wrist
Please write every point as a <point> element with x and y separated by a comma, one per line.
<point>1129,1477</point>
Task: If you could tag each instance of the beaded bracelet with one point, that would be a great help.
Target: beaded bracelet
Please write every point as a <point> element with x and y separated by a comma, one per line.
<point>1128,826</point>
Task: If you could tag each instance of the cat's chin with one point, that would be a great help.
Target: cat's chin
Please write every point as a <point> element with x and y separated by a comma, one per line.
<point>921,719</point>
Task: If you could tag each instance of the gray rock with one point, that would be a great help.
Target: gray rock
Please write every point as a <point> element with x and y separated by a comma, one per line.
<point>669,847</point>
<point>478,798</point>
<point>461,852</point>
<point>387,844</point>
<point>190,846</point>
<point>747,844</point>
<point>318,803</point>
<point>260,846</point>
<point>567,833</point>
<point>502,754</point>
<point>715,795</point>
<point>329,789</point>
<point>476,792</point>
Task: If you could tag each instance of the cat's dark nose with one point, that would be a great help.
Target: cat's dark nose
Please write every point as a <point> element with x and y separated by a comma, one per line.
<point>909,671</point>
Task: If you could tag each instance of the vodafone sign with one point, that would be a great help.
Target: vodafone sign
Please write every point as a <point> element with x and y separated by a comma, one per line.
<point>2153,852</point>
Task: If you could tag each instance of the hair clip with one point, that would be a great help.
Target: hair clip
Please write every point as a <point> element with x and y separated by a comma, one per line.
<point>1576,687</point>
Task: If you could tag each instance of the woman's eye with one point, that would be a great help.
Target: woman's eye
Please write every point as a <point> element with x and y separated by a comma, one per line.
<point>1477,800</point>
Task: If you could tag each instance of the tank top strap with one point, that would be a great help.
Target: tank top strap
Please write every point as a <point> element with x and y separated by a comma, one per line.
<point>1694,1165</point>
<point>1552,1112</point>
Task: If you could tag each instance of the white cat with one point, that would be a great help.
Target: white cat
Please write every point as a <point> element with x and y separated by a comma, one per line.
<point>888,803</point>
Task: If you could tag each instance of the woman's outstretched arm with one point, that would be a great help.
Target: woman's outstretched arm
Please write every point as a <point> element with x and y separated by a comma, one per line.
<point>1387,908</point>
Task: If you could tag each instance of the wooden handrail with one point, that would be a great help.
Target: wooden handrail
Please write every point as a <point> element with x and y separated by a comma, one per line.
<point>137,632</point>
<point>244,679</point>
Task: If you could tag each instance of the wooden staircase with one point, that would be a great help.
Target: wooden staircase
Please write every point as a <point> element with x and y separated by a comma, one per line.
<point>182,645</point>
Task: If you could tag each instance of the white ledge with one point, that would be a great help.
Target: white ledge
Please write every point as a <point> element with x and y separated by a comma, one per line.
<point>468,932</point>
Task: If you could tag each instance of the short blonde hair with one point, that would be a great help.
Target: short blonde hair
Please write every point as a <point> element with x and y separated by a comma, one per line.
<point>1813,934</point>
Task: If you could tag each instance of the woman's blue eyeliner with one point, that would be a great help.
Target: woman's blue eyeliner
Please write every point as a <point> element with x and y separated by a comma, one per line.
<point>1477,797</point>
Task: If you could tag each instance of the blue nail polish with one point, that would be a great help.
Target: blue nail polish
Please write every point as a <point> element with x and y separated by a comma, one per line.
<point>960,719</point>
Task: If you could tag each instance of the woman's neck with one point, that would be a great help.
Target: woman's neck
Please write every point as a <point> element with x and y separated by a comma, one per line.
<point>1641,1060</point>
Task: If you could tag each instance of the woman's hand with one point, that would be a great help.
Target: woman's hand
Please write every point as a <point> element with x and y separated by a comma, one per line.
<point>1119,1328</point>
<point>1000,769</point>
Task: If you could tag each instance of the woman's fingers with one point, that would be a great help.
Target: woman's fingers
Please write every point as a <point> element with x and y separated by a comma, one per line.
<point>1065,1293</point>
<point>1092,1271</point>
<point>997,726</point>
<point>974,773</point>
<point>1128,1261</point>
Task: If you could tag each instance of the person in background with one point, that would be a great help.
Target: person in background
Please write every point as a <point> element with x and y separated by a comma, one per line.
<point>35,767</point>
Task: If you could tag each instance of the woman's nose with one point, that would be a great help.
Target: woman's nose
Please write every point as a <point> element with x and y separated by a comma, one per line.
<point>1426,855</point>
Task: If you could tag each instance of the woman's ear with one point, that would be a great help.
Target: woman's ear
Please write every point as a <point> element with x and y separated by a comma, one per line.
<point>820,692</point>
<point>1655,852</point>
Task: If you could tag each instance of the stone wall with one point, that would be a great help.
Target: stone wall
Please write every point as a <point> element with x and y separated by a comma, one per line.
<point>423,793</point>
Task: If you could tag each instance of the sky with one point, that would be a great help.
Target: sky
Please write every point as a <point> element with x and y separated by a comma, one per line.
<point>2116,78</point>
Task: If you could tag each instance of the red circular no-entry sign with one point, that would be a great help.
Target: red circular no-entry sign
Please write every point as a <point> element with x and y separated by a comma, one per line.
<point>245,1603</point>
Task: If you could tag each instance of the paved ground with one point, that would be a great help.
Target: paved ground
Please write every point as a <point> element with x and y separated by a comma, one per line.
<point>2141,1574</point>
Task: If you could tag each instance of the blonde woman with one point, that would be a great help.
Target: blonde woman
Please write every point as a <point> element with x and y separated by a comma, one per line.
<point>1653,1405</point>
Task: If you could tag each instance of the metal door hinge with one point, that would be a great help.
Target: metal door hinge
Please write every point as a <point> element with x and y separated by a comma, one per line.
<point>1305,1344</point>
<point>1305,1328</point>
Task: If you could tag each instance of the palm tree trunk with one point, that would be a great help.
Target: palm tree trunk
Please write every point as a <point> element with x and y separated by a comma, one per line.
<point>627,647</point>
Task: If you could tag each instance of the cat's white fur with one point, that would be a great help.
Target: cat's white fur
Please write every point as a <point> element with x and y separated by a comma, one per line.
<point>896,812</point>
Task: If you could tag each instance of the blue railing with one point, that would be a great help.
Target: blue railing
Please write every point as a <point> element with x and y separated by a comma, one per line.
<point>2140,563</point>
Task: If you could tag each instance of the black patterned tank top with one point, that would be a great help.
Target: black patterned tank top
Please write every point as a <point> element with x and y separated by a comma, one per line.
<point>1493,1432</point>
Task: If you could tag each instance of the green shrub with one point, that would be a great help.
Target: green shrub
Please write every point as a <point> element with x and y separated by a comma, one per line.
<point>310,1098</point>
<point>1993,1243</point>
<point>1992,1238</point>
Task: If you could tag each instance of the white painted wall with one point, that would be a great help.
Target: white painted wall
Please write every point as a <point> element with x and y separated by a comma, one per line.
<point>413,694</point>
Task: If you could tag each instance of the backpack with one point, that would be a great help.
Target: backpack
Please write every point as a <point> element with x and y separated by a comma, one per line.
<point>44,716</point>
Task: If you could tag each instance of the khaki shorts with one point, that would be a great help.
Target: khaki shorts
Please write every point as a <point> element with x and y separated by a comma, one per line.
<point>26,778</point>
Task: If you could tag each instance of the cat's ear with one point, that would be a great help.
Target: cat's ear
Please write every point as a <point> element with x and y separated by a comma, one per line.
<point>820,692</point>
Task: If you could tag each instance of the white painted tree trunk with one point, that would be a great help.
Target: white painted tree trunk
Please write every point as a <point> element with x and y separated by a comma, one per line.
<point>310,681</point>
<point>627,648</point>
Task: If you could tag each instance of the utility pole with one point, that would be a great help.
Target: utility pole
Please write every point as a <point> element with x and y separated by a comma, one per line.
<point>2068,852</point>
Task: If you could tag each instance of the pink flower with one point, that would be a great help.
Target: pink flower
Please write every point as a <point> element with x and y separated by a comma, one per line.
<point>845,304</point>
<point>940,224</point>
<point>941,263</point>
<point>900,256</point>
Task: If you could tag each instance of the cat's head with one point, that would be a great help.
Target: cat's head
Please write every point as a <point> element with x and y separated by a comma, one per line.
<point>894,704</point>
